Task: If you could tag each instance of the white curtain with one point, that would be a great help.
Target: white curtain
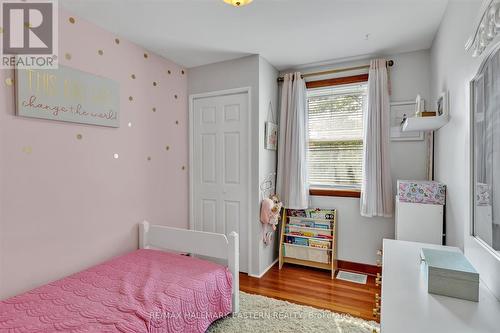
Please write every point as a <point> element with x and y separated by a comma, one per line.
<point>376,188</point>
<point>291,182</point>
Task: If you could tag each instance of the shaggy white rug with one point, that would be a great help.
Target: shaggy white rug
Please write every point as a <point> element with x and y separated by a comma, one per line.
<point>263,314</point>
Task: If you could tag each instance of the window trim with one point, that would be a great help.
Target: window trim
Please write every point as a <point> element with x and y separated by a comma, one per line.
<point>335,191</point>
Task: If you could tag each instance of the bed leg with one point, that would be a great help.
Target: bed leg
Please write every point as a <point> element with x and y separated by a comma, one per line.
<point>234,267</point>
<point>143,234</point>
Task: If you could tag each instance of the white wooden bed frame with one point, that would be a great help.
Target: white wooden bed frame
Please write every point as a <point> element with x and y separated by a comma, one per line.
<point>196,242</point>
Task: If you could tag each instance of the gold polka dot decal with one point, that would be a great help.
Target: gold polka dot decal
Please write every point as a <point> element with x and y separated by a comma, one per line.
<point>100,52</point>
<point>27,150</point>
<point>72,20</point>
<point>149,158</point>
<point>146,55</point>
<point>177,122</point>
<point>183,167</point>
<point>155,83</point>
<point>79,136</point>
<point>67,56</point>
<point>117,40</point>
<point>182,72</point>
<point>132,76</point>
<point>169,72</point>
<point>130,98</point>
<point>153,109</point>
<point>167,148</point>
<point>9,81</point>
<point>175,96</point>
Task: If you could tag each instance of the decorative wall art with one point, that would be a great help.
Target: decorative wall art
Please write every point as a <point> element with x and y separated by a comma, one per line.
<point>271,131</point>
<point>271,135</point>
<point>67,94</point>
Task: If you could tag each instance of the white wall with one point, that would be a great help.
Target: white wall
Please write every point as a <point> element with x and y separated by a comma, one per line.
<point>268,96</point>
<point>255,72</point>
<point>452,69</point>
<point>359,238</point>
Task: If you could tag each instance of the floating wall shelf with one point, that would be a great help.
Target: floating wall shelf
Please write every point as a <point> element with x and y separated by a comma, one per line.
<point>424,123</point>
<point>429,123</point>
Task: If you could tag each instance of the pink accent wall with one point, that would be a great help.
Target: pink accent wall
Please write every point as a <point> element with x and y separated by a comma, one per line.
<point>67,204</point>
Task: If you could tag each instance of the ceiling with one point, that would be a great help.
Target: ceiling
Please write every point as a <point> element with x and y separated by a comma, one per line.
<point>288,33</point>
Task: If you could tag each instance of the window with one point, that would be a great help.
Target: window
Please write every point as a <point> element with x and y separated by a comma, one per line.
<point>336,136</point>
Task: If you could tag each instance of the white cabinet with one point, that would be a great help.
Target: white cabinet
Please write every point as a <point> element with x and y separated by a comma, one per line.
<point>418,222</point>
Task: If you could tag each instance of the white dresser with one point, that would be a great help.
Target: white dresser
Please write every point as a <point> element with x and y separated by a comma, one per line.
<point>419,222</point>
<point>406,306</point>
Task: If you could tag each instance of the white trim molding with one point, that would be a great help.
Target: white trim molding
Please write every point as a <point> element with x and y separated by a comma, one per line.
<point>486,28</point>
<point>265,270</point>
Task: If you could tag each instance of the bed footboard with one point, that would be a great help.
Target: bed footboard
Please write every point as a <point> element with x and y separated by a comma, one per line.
<point>197,242</point>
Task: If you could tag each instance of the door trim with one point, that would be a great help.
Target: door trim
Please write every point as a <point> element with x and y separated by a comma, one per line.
<point>192,98</point>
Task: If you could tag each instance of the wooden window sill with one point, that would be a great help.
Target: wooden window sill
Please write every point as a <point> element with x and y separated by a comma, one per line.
<point>334,192</point>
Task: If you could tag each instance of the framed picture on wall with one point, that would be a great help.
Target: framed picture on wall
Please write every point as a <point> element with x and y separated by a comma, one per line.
<point>271,133</point>
<point>399,112</point>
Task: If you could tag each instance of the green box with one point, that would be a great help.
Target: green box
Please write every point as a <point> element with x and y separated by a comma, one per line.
<point>449,273</point>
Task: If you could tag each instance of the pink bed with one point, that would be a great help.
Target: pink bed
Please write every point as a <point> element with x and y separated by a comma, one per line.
<point>143,291</point>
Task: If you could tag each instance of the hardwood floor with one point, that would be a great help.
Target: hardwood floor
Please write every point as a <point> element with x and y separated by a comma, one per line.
<point>314,287</point>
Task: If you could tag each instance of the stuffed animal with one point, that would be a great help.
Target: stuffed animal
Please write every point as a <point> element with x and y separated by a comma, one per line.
<point>270,211</point>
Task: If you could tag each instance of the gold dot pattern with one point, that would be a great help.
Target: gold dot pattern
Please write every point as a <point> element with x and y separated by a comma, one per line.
<point>9,81</point>
<point>100,52</point>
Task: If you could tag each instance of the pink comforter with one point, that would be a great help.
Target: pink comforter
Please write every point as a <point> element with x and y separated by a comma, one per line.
<point>143,291</point>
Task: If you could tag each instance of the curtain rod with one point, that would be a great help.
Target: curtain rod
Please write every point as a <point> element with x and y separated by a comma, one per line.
<point>390,63</point>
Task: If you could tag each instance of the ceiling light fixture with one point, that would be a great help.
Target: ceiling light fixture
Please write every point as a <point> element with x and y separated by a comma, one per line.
<point>238,3</point>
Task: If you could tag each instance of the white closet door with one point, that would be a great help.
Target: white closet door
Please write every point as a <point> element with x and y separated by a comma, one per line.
<point>220,167</point>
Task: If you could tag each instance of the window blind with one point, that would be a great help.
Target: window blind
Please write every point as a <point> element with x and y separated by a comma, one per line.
<point>336,135</point>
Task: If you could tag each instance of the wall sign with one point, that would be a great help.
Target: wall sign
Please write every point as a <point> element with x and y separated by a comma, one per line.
<point>67,94</point>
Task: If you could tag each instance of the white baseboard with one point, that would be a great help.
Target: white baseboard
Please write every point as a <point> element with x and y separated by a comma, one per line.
<point>265,271</point>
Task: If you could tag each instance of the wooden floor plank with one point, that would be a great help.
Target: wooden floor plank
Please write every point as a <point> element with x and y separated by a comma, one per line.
<point>314,287</point>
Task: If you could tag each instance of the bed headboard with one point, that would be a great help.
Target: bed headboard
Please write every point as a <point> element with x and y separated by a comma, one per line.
<point>197,242</point>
